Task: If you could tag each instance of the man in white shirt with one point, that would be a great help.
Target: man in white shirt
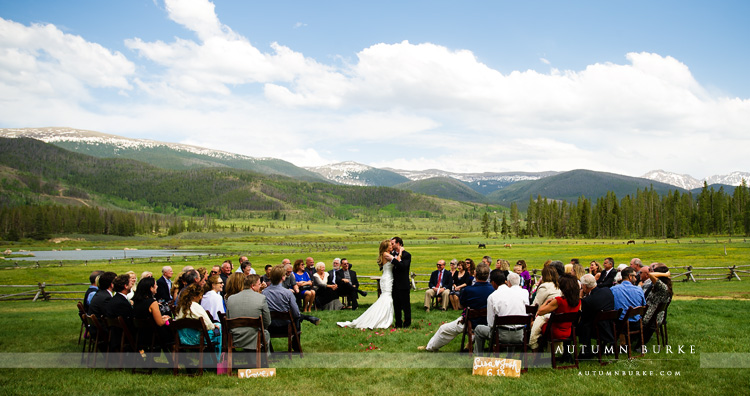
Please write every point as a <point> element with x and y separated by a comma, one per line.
<point>508,299</point>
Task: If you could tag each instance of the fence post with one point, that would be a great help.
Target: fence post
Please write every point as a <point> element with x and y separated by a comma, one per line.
<point>733,273</point>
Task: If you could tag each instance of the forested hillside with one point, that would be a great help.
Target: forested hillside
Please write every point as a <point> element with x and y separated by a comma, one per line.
<point>31,169</point>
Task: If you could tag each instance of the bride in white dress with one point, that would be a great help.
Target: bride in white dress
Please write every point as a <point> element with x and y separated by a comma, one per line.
<point>380,314</point>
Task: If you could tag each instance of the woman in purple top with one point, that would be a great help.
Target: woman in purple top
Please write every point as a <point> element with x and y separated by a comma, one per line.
<point>525,276</point>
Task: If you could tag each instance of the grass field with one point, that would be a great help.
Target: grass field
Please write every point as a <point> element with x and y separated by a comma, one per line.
<point>338,361</point>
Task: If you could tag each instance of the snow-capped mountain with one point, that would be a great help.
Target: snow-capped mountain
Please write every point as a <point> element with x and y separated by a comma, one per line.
<point>353,173</point>
<point>732,179</point>
<point>356,174</point>
<point>56,135</point>
<point>688,182</point>
<point>161,154</point>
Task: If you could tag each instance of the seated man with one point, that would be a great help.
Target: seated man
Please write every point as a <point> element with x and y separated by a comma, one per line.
<point>508,299</point>
<point>91,291</point>
<point>248,303</point>
<point>627,295</point>
<point>264,279</point>
<point>595,300</point>
<point>440,285</point>
<point>333,274</point>
<point>119,305</point>
<point>281,299</point>
<point>101,298</point>
<point>474,297</point>
<point>348,285</point>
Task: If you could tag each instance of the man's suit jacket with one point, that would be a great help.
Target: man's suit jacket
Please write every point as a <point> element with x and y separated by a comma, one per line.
<point>600,299</point>
<point>331,275</point>
<point>162,291</point>
<point>446,282</point>
<point>607,281</point>
<point>119,306</point>
<point>99,303</point>
<point>248,303</point>
<point>401,280</point>
<point>91,289</point>
<point>352,276</point>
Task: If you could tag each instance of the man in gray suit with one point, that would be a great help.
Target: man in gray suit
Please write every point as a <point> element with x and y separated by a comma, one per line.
<point>249,303</point>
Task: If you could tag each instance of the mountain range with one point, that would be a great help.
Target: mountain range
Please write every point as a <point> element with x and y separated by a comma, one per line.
<point>487,187</point>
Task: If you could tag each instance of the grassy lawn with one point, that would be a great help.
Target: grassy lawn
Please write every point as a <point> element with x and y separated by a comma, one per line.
<point>338,361</point>
<point>708,325</point>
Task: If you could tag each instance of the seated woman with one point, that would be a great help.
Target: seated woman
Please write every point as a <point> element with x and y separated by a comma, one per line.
<point>189,307</point>
<point>212,301</point>
<point>460,281</point>
<point>327,298</point>
<point>454,268</point>
<point>661,292</point>
<point>145,306</point>
<point>305,285</point>
<point>235,284</point>
<point>548,287</point>
<point>525,276</point>
<point>595,269</point>
<point>570,301</point>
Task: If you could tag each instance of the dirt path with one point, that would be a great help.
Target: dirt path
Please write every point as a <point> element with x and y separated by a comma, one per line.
<point>691,298</point>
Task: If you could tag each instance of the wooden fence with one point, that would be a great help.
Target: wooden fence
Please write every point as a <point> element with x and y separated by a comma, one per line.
<point>165,260</point>
<point>696,274</point>
<point>41,292</point>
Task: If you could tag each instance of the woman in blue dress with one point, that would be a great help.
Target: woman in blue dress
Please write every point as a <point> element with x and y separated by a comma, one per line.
<point>305,285</point>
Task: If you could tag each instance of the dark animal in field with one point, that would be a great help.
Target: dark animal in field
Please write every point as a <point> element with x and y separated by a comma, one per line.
<point>631,242</point>
<point>454,237</point>
<point>507,245</point>
<point>482,246</point>
<point>432,238</point>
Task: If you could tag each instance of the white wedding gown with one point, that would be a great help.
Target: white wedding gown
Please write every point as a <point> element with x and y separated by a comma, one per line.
<point>380,314</point>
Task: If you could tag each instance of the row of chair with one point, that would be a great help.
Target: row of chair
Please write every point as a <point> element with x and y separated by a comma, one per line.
<point>556,319</point>
<point>98,333</point>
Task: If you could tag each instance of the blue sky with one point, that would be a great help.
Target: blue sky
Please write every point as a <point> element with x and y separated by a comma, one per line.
<point>624,87</point>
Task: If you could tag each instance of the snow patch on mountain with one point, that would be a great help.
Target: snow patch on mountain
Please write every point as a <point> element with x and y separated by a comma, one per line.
<point>348,172</point>
<point>688,182</point>
<point>61,134</point>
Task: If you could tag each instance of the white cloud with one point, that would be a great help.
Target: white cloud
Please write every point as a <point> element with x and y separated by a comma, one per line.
<point>434,106</point>
<point>44,60</point>
<point>299,25</point>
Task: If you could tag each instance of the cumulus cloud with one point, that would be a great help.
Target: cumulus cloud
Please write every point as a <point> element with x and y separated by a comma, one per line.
<point>43,59</point>
<point>433,106</point>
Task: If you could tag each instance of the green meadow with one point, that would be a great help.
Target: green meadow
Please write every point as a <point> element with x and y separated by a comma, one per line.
<point>707,316</point>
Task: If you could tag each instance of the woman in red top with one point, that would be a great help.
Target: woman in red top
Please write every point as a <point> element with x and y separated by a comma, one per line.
<point>569,302</point>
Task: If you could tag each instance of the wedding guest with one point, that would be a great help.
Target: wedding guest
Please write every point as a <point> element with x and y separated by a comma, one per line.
<point>461,280</point>
<point>234,284</point>
<point>324,290</point>
<point>133,281</point>
<point>570,301</point>
<point>595,269</point>
<point>525,276</point>
<point>165,284</point>
<point>145,306</point>
<point>249,303</point>
<point>439,286</point>
<point>475,297</point>
<point>188,306</point>
<point>305,285</point>
<point>595,300</point>
<point>661,292</point>
<point>508,299</point>
<point>91,291</point>
<point>454,268</point>
<point>212,301</point>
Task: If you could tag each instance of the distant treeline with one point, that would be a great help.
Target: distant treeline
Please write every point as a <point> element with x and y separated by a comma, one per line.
<point>41,221</point>
<point>644,215</point>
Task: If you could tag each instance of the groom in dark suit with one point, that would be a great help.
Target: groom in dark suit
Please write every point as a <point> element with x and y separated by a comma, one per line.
<point>401,284</point>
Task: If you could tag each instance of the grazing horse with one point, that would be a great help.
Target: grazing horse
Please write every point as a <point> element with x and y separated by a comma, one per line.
<point>507,245</point>
<point>482,246</point>
<point>631,242</point>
